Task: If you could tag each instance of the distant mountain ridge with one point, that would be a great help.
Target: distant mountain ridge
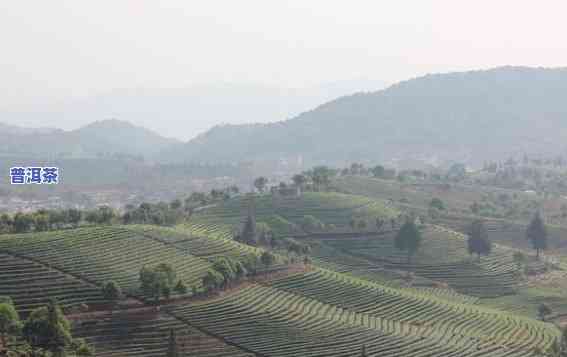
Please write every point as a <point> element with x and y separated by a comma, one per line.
<point>17,130</point>
<point>185,112</point>
<point>463,116</point>
<point>105,137</point>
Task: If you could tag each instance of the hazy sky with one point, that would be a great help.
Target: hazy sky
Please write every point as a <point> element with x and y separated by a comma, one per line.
<point>55,49</point>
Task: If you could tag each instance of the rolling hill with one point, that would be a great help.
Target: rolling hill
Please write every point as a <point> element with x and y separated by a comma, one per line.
<point>491,113</point>
<point>185,112</point>
<point>316,312</point>
<point>105,137</point>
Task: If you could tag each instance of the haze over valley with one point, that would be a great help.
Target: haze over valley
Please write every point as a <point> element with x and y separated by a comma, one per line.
<point>283,179</point>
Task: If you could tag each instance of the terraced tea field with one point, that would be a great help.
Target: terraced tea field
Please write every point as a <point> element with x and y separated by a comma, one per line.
<point>330,208</point>
<point>275,322</point>
<point>355,294</point>
<point>443,258</point>
<point>200,240</point>
<point>104,253</point>
<point>430,310</point>
<point>458,200</point>
<point>30,285</point>
<point>145,333</point>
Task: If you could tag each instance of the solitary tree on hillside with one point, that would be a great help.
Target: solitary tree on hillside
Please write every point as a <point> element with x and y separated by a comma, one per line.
<point>478,242</point>
<point>260,183</point>
<point>537,234</point>
<point>543,310</point>
<point>378,171</point>
<point>408,239</point>
<point>248,234</point>
<point>172,345</point>
<point>112,292</point>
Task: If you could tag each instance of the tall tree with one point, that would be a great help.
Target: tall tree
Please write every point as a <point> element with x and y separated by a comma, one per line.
<point>74,216</point>
<point>47,328</point>
<point>378,171</point>
<point>248,234</point>
<point>172,344</point>
<point>478,242</point>
<point>537,234</point>
<point>157,281</point>
<point>321,177</point>
<point>299,180</point>
<point>408,239</point>
<point>260,183</point>
<point>543,310</point>
<point>112,292</point>
<point>22,222</point>
<point>9,321</point>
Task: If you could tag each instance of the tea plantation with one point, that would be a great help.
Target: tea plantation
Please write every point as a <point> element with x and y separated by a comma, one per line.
<point>356,292</point>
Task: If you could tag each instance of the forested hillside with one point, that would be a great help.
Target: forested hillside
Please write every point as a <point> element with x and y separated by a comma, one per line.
<point>449,116</point>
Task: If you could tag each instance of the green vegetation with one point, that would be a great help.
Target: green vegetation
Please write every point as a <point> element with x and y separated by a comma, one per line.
<point>334,209</point>
<point>260,183</point>
<point>478,242</point>
<point>9,320</point>
<point>537,234</point>
<point>158,281</point>
<point>306,325</point>
<point>112,292</point>
<point>443,257</point>
<point>408,239</point>
<point>313,274</point>
<point>455,109</point>
<point>99,254</point>
<point>31,284</point>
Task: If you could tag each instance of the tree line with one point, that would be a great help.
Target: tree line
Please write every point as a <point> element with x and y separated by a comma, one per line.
<point>161,213</point>
<point>45,333</point>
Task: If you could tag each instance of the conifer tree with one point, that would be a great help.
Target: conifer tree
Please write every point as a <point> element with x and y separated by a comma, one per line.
<point>537,234</point>
<point>479,242</point>
<point>172,345</point>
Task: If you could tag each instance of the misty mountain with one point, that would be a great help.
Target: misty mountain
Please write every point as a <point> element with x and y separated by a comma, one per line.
<point>106,137</point>
<point>16,130</point>
<point>489,114</point>
<point>184,113</point>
